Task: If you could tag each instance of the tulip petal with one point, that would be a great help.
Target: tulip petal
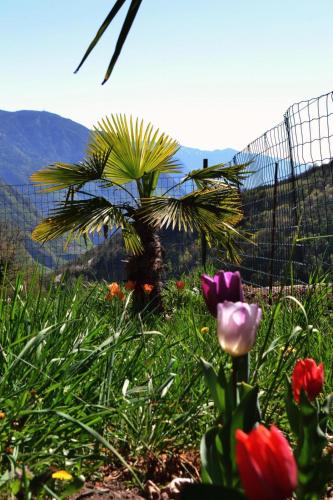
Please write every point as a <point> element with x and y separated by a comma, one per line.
<point>251,477</point>
<point>237,324</point>
<point>266,464</point>
<point>208,286</point>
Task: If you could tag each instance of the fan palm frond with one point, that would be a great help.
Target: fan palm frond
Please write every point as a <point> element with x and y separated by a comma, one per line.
<point>83,217</point>
<point>65,175</point>
<point>207,210</point>
<point>218,173</point>
<point>136,150</point>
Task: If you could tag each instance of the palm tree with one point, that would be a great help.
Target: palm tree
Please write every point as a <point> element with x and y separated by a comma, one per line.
<point>124,154</point>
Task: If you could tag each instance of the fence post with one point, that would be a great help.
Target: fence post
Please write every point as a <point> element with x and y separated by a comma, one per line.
<point>203,237</point>
<point>298,252</point>
<point>292,163</point>
<point>272,253</point>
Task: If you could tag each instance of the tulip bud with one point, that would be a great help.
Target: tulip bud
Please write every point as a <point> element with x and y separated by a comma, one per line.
<point>309,377</point>
<point>266,464</point>
<point>237,325</point>
<point>223,286</point>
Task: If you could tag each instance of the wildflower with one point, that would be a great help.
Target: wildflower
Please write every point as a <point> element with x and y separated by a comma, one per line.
<point>266,464</point>
<point>309,377</point>
<point>147,288</point>
<point>223,286</point>
<point>204,330</point>
<point>288,351</point>
<point>130,285</point>
<point>237,324</point>
<point>180,285</point>
<point>2,415</point>
<point>62,475</point>
<point>114,290</point>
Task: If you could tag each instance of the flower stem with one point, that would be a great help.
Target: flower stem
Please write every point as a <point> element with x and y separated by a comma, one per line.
<point>240,372</point>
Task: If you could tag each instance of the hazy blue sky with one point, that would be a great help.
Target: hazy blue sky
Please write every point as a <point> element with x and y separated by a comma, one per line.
<point>212,73</point>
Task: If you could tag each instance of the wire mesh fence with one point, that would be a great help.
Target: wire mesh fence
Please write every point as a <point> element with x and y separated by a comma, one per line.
<point>102,256</point>
<point>287,200</point>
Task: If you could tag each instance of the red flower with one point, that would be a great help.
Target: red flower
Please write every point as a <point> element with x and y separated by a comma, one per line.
<point>309,377</point>
<point>147,288</point>
<point>180,285</point>
<point>266,464</point>
<point>114,290</point>
<point>130,285</point>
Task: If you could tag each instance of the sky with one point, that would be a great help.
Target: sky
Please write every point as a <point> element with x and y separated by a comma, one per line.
<point>211,73</point>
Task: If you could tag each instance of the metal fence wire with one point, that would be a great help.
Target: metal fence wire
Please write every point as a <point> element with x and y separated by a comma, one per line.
<point>287,201</point>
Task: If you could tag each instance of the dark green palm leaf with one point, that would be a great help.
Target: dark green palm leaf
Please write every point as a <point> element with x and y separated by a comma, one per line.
<point>65,175</point>
<point>208,210</point>
<point>130,16</point>
<point>84,217</point>
<point>234,174</point>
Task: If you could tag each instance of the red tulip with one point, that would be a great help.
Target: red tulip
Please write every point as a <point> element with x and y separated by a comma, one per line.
<point>180,285</point>
<point>266,464</point>
<point>309,377</point>
<point>223,286</point>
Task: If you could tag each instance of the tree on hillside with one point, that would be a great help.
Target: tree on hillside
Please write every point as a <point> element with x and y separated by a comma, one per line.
<point>124,154</point>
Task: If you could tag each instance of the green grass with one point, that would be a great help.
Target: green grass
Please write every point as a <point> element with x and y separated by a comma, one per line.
<point>84,383</point>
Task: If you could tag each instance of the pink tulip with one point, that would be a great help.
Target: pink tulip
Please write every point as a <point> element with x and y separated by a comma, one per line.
<point>223,286</point>
<point>237,324</point>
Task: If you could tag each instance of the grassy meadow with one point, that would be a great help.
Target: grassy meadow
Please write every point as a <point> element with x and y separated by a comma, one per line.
<point>85,383</point>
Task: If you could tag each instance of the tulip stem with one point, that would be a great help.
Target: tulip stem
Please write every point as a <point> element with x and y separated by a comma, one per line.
<point>240,372</point>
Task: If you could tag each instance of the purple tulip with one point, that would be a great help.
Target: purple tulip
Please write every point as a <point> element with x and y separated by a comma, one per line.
<point>237,324</point>
<point>223,286</point>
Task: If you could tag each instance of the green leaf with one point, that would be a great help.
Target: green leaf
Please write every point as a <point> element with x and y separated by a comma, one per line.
<point>109,18</point>
<point>293,412</point>
<point>72,487</point>
<point>207,210</point>
<point>211,454</point>
<point>65,175</point>
<point>226,384</point>
<point>215,388</point>
<point>131,13</point>
<point>102,440</point>
<point>217,174</point>
<point>311,439</point>
<point>136,149</point>
<point>84,217</point>
<point>327,407</point>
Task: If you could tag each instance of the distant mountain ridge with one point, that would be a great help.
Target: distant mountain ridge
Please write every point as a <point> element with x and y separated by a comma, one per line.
<point>30,140</point>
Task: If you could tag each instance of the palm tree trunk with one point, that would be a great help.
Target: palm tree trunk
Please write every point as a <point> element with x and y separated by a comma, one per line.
<point>147,268</point>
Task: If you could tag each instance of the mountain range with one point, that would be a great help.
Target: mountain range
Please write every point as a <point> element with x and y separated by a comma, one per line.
<point>30,140</point>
